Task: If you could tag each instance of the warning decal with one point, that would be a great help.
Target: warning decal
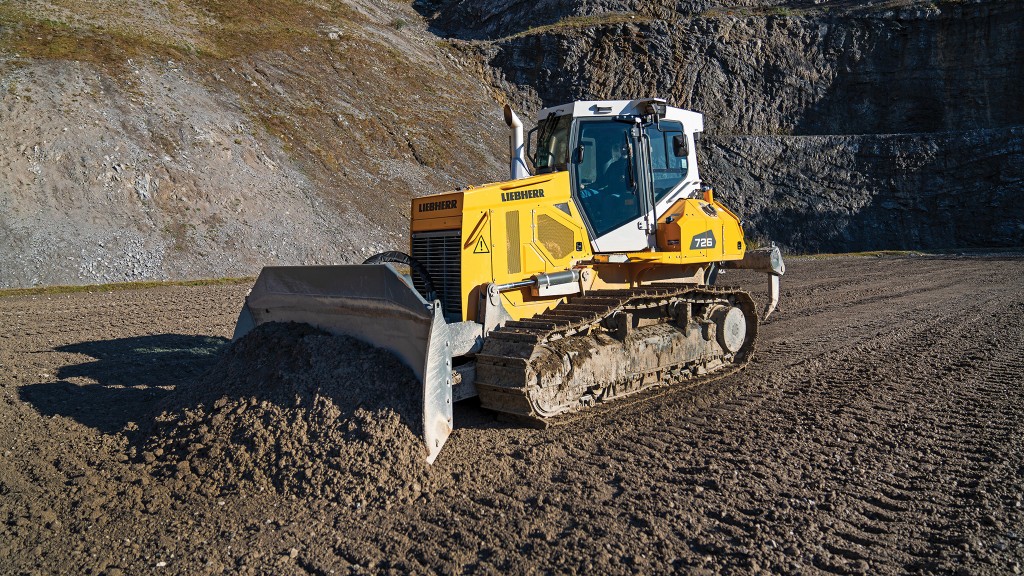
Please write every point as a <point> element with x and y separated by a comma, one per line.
<point>481,247</point>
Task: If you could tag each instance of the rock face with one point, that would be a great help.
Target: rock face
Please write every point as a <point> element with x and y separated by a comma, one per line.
<point>285,137</point>
<point>886,191</point>
<point>958,67</point>
<point>151,143</point>
<point>926,97</point>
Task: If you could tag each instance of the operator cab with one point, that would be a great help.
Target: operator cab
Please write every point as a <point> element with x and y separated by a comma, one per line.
<point>629,160</point>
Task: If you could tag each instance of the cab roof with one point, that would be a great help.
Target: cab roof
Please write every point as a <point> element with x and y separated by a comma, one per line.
<point>693,121</point>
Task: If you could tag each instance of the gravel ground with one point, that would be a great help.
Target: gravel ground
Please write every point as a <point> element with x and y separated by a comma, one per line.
<point>878,430</point>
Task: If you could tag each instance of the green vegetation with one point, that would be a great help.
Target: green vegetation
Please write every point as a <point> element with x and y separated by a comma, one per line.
<point>27,35</point>
<point>761,12</point>
<point>967,252</point>
<point>49,290</point>
<point>869,253</point>
<point>822,9</point>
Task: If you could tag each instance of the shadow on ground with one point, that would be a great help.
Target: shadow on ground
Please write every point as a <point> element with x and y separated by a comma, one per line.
<point>130,375</point>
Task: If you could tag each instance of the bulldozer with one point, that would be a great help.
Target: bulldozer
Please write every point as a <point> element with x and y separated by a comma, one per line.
<point>589,275</point>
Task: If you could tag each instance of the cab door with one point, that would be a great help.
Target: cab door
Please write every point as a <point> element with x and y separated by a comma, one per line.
<point>606,186</point>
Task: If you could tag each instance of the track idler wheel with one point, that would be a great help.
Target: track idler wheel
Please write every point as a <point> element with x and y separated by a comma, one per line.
<point>730,328</point>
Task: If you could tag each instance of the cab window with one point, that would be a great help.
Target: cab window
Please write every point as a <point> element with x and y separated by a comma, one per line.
<point>669,169</point>
<point>552,144</point>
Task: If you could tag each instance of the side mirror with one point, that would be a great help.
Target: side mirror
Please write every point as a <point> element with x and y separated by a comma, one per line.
<point>680,146</point>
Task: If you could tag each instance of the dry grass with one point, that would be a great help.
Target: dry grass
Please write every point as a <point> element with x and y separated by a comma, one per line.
<point>31,36</point>
<point>868,253</point>
<point>839,7</point>
<point>967,252</point>
<point>578,22</point>
<point>109,32</point>
<point>51,290</point>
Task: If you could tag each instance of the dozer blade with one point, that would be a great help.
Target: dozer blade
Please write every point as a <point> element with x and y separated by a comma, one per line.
<point>372,303</point>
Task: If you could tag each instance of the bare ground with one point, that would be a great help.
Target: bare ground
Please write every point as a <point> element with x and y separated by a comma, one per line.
<point>878,430</point>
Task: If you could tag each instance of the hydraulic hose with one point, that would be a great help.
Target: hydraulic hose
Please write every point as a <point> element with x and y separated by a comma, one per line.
<point>413,264</point>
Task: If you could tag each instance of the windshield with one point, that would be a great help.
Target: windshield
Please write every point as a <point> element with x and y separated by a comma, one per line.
<point>552,144</point>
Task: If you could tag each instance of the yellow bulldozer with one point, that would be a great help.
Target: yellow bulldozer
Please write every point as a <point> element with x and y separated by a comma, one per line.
<point>587,276</point>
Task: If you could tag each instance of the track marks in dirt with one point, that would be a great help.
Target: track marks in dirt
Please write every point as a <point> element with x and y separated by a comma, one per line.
<point>897,414</point>
<point>858,414</point>
<point>877,431</point>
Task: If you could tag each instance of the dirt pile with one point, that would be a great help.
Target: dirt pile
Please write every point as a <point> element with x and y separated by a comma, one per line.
<point>294,410</point>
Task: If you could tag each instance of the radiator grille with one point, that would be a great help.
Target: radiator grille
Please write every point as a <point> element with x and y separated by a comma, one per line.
<point>441,254</point>
<point>554,236</point>
<point>512,247</point>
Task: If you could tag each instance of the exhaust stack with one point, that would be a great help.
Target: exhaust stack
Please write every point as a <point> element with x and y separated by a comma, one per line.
<point>516,148</point>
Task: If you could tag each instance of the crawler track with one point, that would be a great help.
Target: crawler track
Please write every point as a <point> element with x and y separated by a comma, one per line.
<point>610,344</point>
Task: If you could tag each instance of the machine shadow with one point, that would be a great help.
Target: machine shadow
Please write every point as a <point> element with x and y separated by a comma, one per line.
<point>130,375</point>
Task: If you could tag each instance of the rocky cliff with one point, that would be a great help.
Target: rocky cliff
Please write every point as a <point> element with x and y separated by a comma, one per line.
<point>832,126</point>
<point>947,190</point>
<point>211,137</point>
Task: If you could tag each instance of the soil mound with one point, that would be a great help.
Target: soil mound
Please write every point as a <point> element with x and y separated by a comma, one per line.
<point>296,410</point>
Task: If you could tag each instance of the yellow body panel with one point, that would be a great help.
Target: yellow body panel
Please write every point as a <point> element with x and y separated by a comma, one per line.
<point>687,219</point>
<point>513,230</point>
<point>437,212</point>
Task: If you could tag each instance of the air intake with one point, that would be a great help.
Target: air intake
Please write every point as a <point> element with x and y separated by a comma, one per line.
<point>555,237</point>
<point>441,254</point>
<point>512,246</point>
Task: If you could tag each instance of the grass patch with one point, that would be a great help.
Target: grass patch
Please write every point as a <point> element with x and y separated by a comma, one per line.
<point>757,12</point>
<point>229,28</point>
<point>936,253</point>
<point>578,22</point>
<point>867,253</point>
<point>247,27</point>
<point>823,9</point>
<point>49,290</point>
<point>28,36</point>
